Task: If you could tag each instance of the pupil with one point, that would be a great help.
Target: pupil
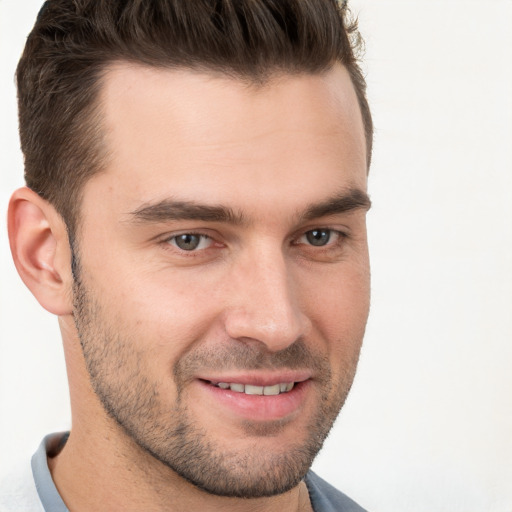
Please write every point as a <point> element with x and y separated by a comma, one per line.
<point>187,242</point>
<point>318,236</point>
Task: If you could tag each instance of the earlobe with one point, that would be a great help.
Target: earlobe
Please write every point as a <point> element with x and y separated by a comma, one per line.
<point>40,250</point>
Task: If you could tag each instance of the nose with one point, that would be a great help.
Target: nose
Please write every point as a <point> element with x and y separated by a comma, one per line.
<point>264,303</point>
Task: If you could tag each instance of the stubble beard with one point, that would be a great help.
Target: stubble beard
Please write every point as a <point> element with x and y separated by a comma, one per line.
<point>167,432</point>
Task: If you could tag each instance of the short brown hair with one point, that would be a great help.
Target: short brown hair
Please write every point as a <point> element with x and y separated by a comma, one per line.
<point>73,41</point>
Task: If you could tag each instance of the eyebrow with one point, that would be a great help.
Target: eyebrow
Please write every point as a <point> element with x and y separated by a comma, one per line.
<point>171,210</point>
<point>353,199</point>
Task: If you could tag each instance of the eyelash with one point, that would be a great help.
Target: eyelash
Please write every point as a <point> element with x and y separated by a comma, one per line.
<point>170,243</point>
<point>341,236</point>
<point>197,251</point>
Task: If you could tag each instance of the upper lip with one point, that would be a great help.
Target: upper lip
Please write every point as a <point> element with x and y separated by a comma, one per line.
<point>259,378</point>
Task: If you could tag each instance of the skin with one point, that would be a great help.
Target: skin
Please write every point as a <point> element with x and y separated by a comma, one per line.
<point>146,325</point>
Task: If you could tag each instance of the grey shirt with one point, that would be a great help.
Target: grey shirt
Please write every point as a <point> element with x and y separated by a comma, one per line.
<point>324,497</point>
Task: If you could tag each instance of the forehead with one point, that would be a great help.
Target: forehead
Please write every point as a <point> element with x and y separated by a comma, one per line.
<point>205,137</point>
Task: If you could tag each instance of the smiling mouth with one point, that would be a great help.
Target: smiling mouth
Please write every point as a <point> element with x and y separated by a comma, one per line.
<point>250,389</point>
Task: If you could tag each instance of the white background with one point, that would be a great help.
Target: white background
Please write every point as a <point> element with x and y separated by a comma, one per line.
<point>428,426</point>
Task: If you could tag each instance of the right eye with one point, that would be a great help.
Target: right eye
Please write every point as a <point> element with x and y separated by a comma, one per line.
<point>190,241</point>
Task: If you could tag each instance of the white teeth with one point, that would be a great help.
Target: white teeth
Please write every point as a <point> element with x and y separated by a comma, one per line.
<point>249,389</point>
<point>272,390</point>
<point>253,390</point>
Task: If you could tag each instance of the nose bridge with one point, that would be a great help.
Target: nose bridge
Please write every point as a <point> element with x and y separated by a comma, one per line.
<point>265,306</point>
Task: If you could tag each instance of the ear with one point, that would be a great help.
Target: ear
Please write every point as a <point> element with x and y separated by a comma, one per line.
<point>40,249</point>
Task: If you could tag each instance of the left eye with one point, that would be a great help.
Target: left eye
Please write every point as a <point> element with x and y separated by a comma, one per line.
<point>190,241</point>
<point>319,237</point>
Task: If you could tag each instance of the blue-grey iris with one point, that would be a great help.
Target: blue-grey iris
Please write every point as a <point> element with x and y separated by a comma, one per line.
<point>318,237</point>
<point>188,241</point>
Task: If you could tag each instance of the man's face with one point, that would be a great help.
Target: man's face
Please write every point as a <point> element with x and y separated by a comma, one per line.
<point>223,284</point>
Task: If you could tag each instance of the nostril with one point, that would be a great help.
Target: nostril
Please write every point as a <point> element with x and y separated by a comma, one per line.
<point>275,329</point>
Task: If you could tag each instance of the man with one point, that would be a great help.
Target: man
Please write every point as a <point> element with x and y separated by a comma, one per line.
<point>195,217</point>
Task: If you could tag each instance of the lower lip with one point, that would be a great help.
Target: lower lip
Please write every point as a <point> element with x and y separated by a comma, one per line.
<point>260,407</point>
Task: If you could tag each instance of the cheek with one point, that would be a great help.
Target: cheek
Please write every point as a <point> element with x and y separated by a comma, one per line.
<point>339,311</point>
<point>167,312</point>
<point>339,301</point>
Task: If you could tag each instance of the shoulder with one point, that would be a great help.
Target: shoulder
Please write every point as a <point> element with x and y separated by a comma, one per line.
<point>18,491</point>
<point>326,498</point>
